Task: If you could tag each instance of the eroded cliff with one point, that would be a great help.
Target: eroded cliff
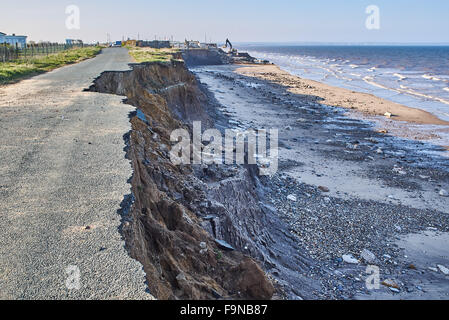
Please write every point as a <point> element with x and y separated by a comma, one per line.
<point>176,213</point>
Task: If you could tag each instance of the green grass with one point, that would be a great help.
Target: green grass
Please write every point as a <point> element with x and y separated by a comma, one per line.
<point>151,55</point>
<point>13,71</point>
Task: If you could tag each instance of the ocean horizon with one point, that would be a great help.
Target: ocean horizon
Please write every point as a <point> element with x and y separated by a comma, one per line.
<point>416,76</point>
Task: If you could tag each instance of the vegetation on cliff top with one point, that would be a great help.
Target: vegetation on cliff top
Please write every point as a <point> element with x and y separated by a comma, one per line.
<point>152,55</point>
<point>12,71</point>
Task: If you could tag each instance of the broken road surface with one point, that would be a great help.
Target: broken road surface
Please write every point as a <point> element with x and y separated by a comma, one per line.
<point>63,177</point>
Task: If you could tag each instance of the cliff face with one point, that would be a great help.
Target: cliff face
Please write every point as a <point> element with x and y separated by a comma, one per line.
<point>198,57</point>
<point>169,227</point>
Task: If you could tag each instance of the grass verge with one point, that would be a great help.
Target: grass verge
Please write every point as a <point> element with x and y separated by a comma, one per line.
<point>151,55</point>
<point>17,70</point>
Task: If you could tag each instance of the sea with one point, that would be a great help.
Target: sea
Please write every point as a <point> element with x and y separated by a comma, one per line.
<point>415,76</point>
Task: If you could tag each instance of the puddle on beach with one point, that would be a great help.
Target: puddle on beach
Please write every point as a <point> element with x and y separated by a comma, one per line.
<point>436,135</point>
<point>425,251</point>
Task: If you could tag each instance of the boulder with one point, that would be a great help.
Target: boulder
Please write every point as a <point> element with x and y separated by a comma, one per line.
<point>349,258</point>
<point>252,280</point>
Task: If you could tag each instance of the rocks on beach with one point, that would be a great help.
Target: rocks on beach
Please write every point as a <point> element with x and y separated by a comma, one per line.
<point>368,256</point>
<point>390,283</point>
<point>349,258</point>
<point>443,269</point>
<point>323,188</point>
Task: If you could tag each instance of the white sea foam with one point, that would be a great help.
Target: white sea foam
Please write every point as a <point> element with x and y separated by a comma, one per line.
<point>370,80</point>
<point>422,95</point>
<point>388,79</point>
<point>400,76</point>
<point>430,77</point>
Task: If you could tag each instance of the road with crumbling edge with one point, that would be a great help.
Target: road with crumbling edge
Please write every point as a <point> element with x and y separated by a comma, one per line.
<point>63,177</point>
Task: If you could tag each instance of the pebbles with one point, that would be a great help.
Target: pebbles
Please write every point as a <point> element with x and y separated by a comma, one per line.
<point>331,227</point>
<point>399,170</point>
<point>349,258</point>
<point>443,193</point>
<point>390,283</point>
<point>291,197</point>
<point>443,269</point>
<point>368,256</point>
<point>333,230</point>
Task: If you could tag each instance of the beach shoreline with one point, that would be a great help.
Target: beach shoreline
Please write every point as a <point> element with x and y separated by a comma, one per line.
<point>341,97</point>
<point>390,117</point>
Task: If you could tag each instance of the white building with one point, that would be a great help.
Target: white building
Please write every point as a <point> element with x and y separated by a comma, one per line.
<point>12,40</point>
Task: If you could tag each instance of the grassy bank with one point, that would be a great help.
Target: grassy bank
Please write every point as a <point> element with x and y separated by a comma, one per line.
<point>13,71</point>
<point>151,55</point>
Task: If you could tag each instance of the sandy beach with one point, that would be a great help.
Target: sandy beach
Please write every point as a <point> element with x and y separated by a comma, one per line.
<point>334,96</point>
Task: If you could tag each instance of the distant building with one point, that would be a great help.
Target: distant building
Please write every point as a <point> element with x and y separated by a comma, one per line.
<point>209,45</point>
<point>156,44</point>
<point>13,40</point>
<point>193,44</point>
<point>74,42</point>
<point>178,44</point>
<point>130,42</point>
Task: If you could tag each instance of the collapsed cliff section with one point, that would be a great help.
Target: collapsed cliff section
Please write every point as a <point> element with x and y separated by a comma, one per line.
<point>202,57</point>
<point>175,218</point>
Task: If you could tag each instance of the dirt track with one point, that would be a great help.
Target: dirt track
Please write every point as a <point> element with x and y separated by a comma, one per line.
<point>63,177</point>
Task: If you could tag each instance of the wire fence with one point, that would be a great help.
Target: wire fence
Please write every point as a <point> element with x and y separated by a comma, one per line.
<point>9,53</point>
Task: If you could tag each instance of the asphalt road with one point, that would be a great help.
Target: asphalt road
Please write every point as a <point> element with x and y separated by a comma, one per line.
<point>63,175</point>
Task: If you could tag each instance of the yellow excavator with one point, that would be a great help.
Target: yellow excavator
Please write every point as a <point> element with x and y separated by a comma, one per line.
<point>230,46</point>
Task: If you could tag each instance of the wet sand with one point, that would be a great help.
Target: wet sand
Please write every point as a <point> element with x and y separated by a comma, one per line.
<point>334,96</point>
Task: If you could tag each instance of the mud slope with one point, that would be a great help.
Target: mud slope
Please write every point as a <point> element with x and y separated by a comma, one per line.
<point>165,228</point>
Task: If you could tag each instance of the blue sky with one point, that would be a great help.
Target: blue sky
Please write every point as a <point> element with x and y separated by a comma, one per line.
<point>240,21</point>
